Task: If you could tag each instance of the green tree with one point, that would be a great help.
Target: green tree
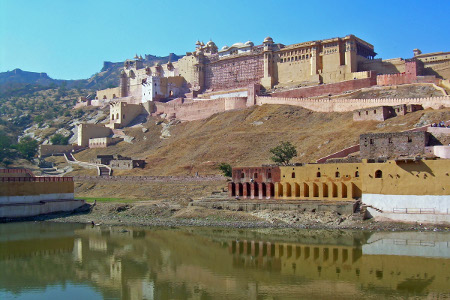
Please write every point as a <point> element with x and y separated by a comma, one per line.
<point>27,147</point>
<point>5,146</point>
<point>59,139</point>
<point>226,169</point>
<point>283,153</point>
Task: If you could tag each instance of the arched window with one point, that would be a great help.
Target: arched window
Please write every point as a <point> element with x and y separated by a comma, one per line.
<point>117,116</point>
<point>293,174</point>
<point>357,174</point>
<point>378,174</point>
<point>318,174</point>
<point>242,175</point>
<point>256,175</point>
<point>338,174</point>
<point>269,175</point>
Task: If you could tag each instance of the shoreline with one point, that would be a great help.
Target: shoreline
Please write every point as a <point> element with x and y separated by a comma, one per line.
<point>174,215</point>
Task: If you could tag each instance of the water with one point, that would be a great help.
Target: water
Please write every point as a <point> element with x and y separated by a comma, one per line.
<point>72,261</point>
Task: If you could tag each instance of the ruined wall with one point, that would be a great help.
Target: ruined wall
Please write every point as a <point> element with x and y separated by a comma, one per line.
<point>341,105</point>
<point>111,93</point>
<point>390,145</point>
<point>231,73</point>
<point>326,89</point>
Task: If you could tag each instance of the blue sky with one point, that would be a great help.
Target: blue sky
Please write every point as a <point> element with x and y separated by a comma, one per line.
<point>70,39</point>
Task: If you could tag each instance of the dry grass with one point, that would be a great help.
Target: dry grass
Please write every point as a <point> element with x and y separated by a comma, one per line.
<point>232,137</point>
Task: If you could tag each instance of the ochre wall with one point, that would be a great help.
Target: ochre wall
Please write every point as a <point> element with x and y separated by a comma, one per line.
<point>108,93</point>
<point>88,131</point>
<point>425,177</point>
<point>35,188</point>
<point>338,182</point>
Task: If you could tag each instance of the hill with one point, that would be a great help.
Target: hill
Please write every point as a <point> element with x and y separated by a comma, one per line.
<point>244,137</point>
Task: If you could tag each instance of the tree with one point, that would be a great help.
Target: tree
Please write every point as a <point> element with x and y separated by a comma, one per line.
<point>27,147</point>
<point>226,169</point>
<point>283,153</point>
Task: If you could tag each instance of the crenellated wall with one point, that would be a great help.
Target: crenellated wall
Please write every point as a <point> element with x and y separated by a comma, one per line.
<point>342,105</point>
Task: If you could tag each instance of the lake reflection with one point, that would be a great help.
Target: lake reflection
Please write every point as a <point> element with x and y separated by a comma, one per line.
<point>45,260</point>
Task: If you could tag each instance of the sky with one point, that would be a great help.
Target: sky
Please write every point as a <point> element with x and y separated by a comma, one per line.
<point>70,39</point>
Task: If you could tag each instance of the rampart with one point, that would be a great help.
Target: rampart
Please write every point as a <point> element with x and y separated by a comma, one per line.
<point>201,109</point>
<point>331,88</point>
<point>15,173</point>
<point>343,105</point>
<point>402,78</point>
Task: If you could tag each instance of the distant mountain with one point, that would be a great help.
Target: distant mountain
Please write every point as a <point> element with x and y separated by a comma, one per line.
<point>107,77</point>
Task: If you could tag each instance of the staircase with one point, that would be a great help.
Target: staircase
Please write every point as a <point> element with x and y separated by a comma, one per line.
<point>104,171</point>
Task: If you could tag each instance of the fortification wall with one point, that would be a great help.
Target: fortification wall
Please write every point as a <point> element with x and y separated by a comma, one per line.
<point>111,93</point>
<point>89,131</point>
<point>397,79</point>
<point>46,150</point>
<point>202,109</point>
<point>342,105</point>
<point>235,72</point>
<point>326,89</point>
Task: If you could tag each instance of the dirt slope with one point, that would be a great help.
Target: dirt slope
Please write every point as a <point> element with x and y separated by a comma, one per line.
<point>244,137</point>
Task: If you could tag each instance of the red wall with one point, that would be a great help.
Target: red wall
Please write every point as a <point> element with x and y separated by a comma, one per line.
<point>326,89</point>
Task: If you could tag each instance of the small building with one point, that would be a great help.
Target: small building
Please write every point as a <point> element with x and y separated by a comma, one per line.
<point>381,113</point>
<point>103,142</point>
<point>119,162</point>
<point>393,144</point>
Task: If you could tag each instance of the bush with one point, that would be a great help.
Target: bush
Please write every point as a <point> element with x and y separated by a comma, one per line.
<point>27,148</point>
<point>226,169</point>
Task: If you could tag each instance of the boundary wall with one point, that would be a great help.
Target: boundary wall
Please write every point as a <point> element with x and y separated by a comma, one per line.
<point>345,105</point>
<point>199,109</point>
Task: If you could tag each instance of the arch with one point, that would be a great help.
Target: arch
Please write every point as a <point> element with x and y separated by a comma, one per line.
<point>240,189</point>
<point>288,190</point>
<point>104,97</point>
<point>305,190</point>
<point>279,190</point>
<point>293,175</point>
<point>325,190</point>
<point>269,175</point>
<point>242,175</point>
<point>296,190</point>
<point>270,190</point>
<point>255,189</point>
<point>334,190</point>
<point>357,174</point>
<point>263,190</point>
<point>117,116</point>
<point>315,190</point>
<point>318,174</point>
<point>344,190</point>
<point>378,174</point>
<point>232,188</point>
<point>337,174</point>
<point>112,117</point>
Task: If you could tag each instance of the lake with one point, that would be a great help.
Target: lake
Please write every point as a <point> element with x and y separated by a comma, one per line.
<point>43,260</point>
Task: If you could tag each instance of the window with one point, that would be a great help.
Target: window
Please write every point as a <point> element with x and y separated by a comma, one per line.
<point>256,175</point>
<point>371,141</point>
<point>338,174</point>
<point>378,174</point>
<point>242,175</point>
<point>357,174</point>
<point>293,174</point>
<point>390,140</point>
<point>374,111</point>
<point>367,112</point>
<point>409,139</point>
<point>318,174</point>
<point>269,175</point>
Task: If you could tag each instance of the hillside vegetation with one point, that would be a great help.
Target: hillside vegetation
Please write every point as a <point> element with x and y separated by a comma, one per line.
<point>244,138</point>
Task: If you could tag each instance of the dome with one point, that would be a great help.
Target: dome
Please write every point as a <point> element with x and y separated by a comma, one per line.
<point>238,45</point>
<point>249,43</point>
<point>210,44</point>
<point>268,40</point>
<point>225,48</point>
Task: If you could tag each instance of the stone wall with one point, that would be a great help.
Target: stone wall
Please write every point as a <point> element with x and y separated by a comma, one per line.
<point>47,150</point>
<point>234,72</point>
<point>16,173</point>
<point>390,145</point>
<point>341,105</point>
<point>89,131</point>
<point>326,89</point>
<point>103,142</point>
<point>111,93</point>
<point>340,154</point>
<point>201,109</point>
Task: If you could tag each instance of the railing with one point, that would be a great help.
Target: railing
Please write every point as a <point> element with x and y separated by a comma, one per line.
<point>36,179</point>
<point>414,211</point>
